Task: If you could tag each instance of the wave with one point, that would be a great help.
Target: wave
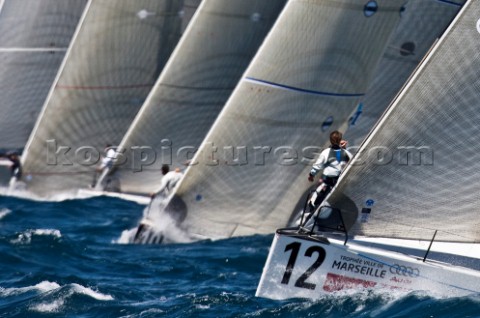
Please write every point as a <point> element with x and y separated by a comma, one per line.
<point>158,226</point>
<point>4,212</point>
<point>52,296</point>
<point>78,194</point>
<point>56,305</point>
<point>23,193</point>
<point>42,287</point>
<point>26,237</point>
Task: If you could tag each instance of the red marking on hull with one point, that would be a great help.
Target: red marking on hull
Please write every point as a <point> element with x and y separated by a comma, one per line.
<point>336,282</point>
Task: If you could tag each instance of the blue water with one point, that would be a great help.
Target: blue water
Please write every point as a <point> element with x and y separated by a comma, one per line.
<point>61,260</point>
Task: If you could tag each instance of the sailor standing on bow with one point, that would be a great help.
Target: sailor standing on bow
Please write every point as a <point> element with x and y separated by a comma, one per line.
<point>105,163</point>
<point>332,161</point>
<point>169,181</point>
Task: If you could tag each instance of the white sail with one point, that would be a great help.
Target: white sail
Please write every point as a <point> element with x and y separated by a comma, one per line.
<point>193,87</point>
<point>422,23</point>
<point>117,53</point>
<point>189,9</point>
<point>34,36</point>
<point>416,173</point>
<point>309,73</point>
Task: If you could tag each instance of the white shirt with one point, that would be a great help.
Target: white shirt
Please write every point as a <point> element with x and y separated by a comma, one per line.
<point>332,168</point>
<point>169,182</point>
<point>108,159</point>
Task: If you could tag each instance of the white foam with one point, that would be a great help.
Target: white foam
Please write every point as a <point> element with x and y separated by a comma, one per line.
<point>159,224</point>
<point>57,304</point>
<point>91,293</point>
<point>26,237</point>
<point>43,287</point>
<point>22,193</point>
<point>52,307</point>
<point>4,212</point>
<point>126,237</point>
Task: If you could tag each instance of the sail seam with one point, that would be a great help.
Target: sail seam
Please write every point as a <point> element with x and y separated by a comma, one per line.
<point>40,49</point>
<point>300,90</point>
<point>450,2</point>
<point>104,87</point>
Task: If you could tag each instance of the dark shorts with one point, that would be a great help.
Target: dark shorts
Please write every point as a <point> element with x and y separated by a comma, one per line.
<point>330,181</point>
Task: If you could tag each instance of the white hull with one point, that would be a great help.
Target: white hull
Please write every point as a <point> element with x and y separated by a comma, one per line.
<point>305,267</point>
<point>5,172</point>
<point>144,200</point>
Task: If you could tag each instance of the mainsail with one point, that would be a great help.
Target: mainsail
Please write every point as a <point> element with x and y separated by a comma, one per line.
<point>117,53</point>
<point>422,23</point>
<point>34,36</point>
<point>416,173</point>
<point>206,65</point>
<point>305,80</point>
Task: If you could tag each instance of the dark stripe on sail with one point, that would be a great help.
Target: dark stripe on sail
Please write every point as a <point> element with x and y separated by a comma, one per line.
<point>301,90</point>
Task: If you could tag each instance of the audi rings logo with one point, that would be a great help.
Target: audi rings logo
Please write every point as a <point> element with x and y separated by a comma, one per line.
<point>404,270</point>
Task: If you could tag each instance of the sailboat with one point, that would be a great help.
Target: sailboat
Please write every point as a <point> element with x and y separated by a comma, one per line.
<point>117,52</point>
<point>410,192</point>
<point>202,72</point>
<point>34,36</point>
<point>308,75</point>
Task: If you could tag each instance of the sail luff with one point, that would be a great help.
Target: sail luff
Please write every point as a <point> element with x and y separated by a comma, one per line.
<point>57,78</point>
<point>150,96</point>
<point>427,181</point>
<point>381,122</point>
<point>197,156</point>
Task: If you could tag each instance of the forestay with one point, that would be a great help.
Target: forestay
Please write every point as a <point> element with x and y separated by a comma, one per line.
<point>306,79</point>
<point>422,23</point>
<point>34,36</point>
<point>194,86</point>
<point>418,170</point>
<point>117,53</point>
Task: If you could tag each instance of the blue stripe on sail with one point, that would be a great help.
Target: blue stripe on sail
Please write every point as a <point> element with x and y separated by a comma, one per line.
<point>301,90</point>
<point>450,2</point>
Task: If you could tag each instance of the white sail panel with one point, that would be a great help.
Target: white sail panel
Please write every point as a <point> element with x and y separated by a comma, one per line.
<point>309,74</point>
<point>194,86</point>
<point>422,23</point>
<point>417,171</point>
<point>34,36</point>
<point>117,53</point>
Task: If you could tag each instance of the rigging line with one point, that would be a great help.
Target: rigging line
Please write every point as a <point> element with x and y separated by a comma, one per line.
<point>301,90</point>
<point>32,49</point>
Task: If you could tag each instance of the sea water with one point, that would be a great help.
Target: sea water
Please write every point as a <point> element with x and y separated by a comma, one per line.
<point>64,259</point>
